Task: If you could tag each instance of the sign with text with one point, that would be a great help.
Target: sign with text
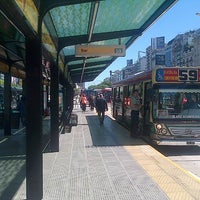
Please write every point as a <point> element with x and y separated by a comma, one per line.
<point>160,59</point>
<point>100,50</point>
<point>178,75</point>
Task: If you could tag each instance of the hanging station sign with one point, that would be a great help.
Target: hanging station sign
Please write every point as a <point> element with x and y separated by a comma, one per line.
<point>100,50</point>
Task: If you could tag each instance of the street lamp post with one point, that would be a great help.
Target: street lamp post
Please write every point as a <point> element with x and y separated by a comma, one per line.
<point>139,54</point>
<point>111,76</point>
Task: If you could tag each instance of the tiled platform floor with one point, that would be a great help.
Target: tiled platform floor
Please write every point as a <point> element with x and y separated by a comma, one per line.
<point>102,162</point>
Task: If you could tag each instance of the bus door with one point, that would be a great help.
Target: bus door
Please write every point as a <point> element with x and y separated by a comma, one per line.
<point>127,104</point>
<point>147,105</point>
<point>117,102</point>
<point>113,103</point>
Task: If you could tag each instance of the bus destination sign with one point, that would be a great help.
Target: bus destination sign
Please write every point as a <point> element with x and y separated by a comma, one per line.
<point>178,75</point>
<point>100,50</point>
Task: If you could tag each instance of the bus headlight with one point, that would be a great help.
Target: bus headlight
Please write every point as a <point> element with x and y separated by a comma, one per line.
<point>163,131</point>
<point>158,126</point>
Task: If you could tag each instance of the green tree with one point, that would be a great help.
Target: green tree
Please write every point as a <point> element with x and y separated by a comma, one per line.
<point>105,84</point>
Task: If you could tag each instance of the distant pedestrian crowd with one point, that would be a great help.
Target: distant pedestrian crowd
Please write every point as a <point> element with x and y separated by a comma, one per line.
<point>97,102</point>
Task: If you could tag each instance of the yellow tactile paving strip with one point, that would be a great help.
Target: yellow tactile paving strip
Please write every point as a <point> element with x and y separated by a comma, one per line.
<point>177,183</point>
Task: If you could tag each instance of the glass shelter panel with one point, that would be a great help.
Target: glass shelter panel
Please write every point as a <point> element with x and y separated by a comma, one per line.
<point>114,11</point>
<point>74,17</point>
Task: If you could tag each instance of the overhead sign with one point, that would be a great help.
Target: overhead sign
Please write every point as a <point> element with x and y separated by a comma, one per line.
<point>160,59</point>
<point>178,75</point>
<point>100,50</point>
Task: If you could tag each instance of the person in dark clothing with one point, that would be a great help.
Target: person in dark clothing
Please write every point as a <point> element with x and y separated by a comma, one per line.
<point>91,101</point>
<point>193,102</point>
<point>135,108</point>
<point>101,107</point>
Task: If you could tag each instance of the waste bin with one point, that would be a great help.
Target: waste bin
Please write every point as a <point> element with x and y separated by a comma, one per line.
<point>67,126</point>
<point>73,119</point>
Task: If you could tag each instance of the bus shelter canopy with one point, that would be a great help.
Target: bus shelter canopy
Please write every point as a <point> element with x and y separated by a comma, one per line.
<point>69,23</point>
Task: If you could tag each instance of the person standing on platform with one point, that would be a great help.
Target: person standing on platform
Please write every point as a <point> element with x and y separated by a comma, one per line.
<point>101,107</point>
<point>135,108</point>
<point>83,102</point>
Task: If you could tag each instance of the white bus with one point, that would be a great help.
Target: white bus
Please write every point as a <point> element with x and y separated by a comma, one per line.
<point>171,104</point>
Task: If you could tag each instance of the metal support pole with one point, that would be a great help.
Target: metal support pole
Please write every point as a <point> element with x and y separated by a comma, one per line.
<point>7,104</point>
<point>34,167</point>
<point>54,104</point>
<point>64,99</point>
<point>69,96</point>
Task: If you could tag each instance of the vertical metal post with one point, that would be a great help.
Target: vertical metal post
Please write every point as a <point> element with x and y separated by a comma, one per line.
<point>69,96</point>
<point>34,167</point>
<point>64,98</point>
<point>7,104</point>
<point>47,96</point>
<point>54,104</point>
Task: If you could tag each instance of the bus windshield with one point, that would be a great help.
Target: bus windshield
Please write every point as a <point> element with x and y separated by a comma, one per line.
<point>176,103</point>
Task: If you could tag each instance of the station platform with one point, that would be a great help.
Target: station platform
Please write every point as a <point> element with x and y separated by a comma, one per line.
<point>101,162</point>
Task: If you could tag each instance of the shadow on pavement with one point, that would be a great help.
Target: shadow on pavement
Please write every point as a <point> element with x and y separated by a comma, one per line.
<point>110,133</point>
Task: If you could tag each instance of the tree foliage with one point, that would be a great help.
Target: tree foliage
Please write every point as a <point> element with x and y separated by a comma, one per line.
<point>105,84</point>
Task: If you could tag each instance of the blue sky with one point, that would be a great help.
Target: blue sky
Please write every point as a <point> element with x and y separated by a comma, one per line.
<point>177,20</point>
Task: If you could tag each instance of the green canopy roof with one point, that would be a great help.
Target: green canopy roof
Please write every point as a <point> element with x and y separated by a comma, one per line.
<point>72,22</point>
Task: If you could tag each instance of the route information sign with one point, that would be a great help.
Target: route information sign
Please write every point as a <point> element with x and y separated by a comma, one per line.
<point>100,50</point>
<point>178,75</point>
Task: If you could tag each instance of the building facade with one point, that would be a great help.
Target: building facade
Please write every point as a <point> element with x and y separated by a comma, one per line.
<point>183,50</point>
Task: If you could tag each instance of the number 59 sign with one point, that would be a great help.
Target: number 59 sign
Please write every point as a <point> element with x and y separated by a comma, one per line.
<point>188,74</point>
<point>177,75</point>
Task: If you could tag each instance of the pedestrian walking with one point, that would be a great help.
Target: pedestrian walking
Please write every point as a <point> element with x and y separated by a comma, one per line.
<point>83,102</point>
<point>101,107</point>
